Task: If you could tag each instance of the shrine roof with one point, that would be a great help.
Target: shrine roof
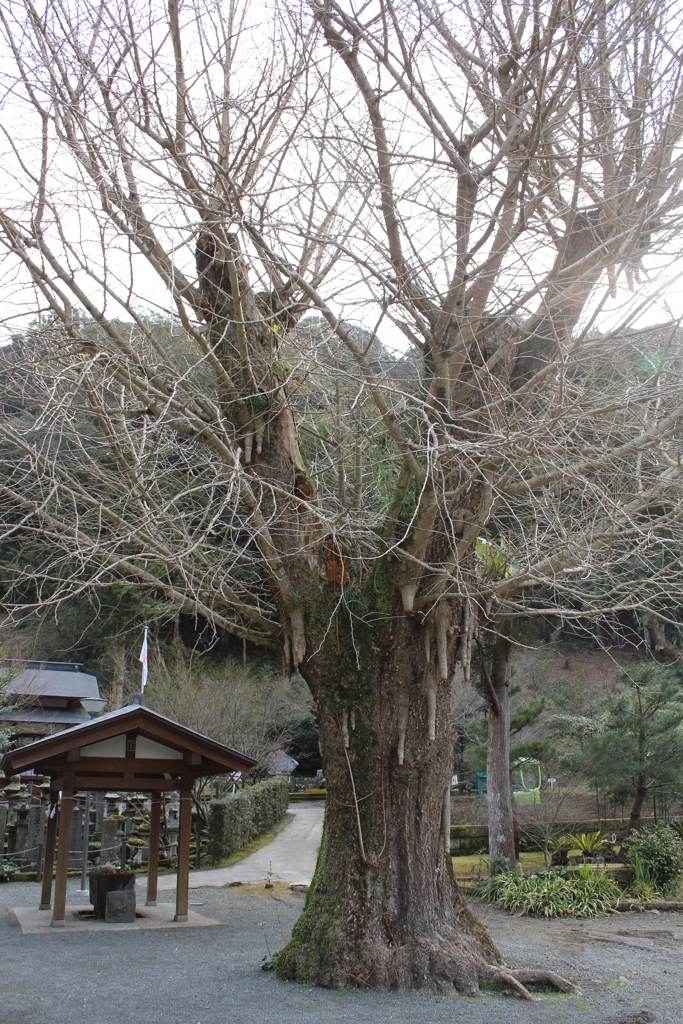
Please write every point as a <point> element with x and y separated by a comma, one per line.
<point>91,752</point>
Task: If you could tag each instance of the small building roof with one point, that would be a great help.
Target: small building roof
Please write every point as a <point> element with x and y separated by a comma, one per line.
<point>133,748</point>
<point>278,762</point>
<point>51,716</point>
<point>50,679</point>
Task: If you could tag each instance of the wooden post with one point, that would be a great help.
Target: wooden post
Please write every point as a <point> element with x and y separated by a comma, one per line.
<point>59,910</point>
<point>86,842</point>
<point>185,826</point>
<point>50,843</point>
<point>153,862</point>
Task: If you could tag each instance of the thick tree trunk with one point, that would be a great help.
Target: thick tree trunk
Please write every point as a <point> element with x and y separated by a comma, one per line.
<point>637,807</point>
<point>498,785</point>
<point>383,910</point>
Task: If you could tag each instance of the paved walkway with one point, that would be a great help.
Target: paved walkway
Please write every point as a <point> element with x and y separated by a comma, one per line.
<point>290,857</point>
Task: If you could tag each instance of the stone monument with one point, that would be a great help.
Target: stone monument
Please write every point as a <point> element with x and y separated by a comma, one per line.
<point>110,846</point>
<point>76,836</point>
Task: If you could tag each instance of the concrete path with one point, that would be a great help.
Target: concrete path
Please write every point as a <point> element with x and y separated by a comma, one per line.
<point>290,857</point>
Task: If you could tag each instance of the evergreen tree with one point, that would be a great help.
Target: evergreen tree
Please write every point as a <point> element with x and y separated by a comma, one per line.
<point>638,751</point>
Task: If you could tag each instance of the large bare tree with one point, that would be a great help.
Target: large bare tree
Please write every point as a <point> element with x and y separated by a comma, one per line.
<point>493,189</point>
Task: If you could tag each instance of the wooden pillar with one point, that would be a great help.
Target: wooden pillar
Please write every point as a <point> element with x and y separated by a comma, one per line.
<point>50,843</point>
<point>59,909</point>
<point>153,862</point>
<point>183,882</point>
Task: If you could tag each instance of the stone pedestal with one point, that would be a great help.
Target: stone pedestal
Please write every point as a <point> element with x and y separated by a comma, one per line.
<point>120,907</point>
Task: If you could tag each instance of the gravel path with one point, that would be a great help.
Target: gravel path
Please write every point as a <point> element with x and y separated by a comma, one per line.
<point>629,966</point>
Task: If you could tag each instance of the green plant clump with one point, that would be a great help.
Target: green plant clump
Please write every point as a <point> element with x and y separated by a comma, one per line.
<point>644,884</point>
<point>659,850</point>
<point>237,820</point>
<point>554,893</point>
<point>589,843</point>
<point>7,868</point>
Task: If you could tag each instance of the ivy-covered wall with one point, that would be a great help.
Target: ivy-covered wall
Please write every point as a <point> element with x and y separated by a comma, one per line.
<point>236,820</point>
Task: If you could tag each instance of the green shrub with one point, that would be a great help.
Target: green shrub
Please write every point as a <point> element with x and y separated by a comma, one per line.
<point>660,851</point>
<point>236,820</point>
<point>553,893</point>
<point>677,826</point>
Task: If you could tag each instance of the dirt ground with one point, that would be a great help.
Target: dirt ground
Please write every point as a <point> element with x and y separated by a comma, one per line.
<point>628,965</point>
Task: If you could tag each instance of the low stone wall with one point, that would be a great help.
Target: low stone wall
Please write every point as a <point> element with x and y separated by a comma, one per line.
<point>470,840</point>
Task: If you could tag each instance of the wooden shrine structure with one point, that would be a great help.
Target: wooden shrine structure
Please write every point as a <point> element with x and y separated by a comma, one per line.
<point>133,749</point>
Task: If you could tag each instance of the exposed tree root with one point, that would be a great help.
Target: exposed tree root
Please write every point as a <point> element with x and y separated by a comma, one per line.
<point>505,979</point>
<point>537,976</point>
<point>516,979</point>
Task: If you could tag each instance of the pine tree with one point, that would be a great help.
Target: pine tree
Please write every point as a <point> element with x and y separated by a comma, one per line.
<point>639,749</point>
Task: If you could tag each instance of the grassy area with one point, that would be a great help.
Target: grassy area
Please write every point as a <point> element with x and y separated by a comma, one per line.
<point>473,867</point>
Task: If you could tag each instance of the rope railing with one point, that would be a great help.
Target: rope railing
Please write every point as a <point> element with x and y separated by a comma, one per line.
<point>19,853</point>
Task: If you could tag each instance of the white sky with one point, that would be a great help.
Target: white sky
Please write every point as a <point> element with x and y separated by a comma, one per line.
<point>659,298</point>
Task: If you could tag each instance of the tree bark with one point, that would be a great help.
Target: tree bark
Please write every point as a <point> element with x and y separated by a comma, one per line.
<point>383,910</point>
<point>662,645</point>
<point>641,783</point>
<point>641,793</point>
<point>498,785</point>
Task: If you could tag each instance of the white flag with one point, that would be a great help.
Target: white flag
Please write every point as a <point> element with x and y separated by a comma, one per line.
<point>143,659</point>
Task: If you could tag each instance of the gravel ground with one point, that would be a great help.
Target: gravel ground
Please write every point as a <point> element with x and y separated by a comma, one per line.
<point>629,966</point>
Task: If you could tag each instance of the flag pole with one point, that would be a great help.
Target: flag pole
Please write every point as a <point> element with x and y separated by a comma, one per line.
<point>143,660</point>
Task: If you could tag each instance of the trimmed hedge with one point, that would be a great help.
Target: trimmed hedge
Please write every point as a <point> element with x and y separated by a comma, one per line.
<point>237,820</point>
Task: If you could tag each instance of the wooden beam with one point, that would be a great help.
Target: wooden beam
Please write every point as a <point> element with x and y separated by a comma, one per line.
<point>102,783</point>
<point>123,765</point>
<point>153,862</point>
<point>59,910</point>
<point>50,843</point>
<point>148,767</point>
<point>182,895</point>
